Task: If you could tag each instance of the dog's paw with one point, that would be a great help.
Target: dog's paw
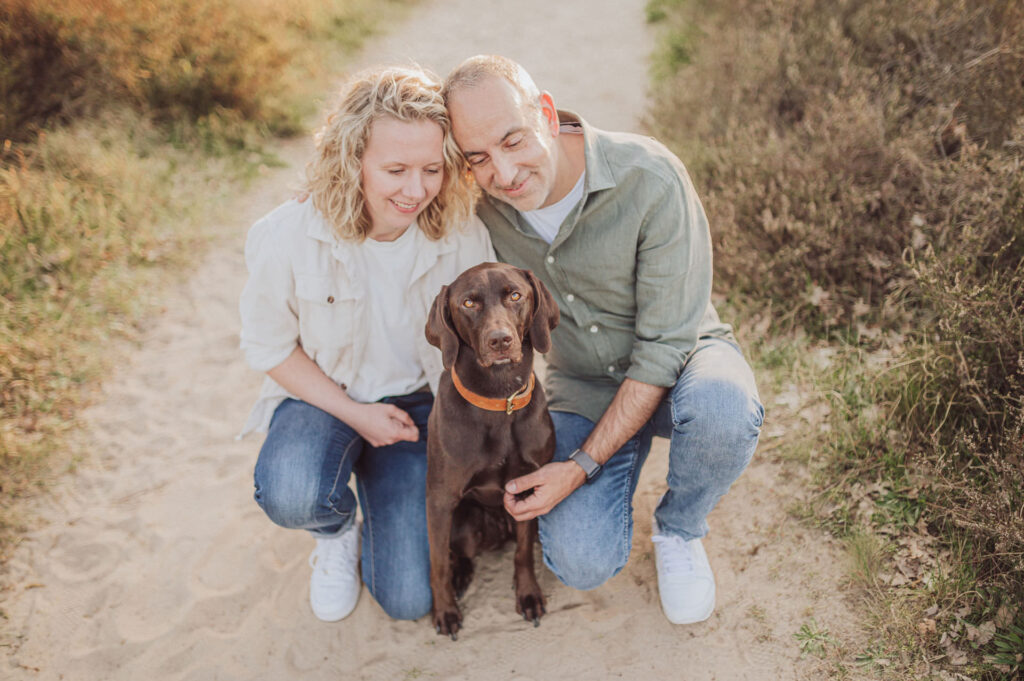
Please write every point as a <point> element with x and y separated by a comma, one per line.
<point>531,607</point>
<point>448,621</point>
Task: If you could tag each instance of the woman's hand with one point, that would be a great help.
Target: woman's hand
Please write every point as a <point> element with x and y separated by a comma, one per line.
<point>383,424</point>
<point>379,424</point>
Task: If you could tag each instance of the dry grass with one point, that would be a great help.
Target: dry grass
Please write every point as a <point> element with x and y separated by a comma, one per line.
<point>862,162</point>
<point>122,123</point>
<point>172,59</point>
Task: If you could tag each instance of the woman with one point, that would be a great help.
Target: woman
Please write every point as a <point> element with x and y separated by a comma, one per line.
<point>334,311</point>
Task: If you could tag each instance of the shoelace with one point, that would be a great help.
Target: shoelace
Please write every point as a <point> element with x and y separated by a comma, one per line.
<point>333,553</point>
<point>676,556</point>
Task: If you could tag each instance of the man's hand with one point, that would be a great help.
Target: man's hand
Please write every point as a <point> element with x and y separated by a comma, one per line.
<point>550,484</point>
<point>633,405</point>
<point>384,424</point>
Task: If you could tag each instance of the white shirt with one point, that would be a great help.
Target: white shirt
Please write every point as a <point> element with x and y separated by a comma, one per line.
<point>307,287</point>
<point>391,365</point>
<point>546,221</point>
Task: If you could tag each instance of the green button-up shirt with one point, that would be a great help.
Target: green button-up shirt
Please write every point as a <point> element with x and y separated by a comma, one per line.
<point>630,269</point>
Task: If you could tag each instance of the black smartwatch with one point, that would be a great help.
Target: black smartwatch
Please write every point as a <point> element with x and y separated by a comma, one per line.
<point>589,466</point>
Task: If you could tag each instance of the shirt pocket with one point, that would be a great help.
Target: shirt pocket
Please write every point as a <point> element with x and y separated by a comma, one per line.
<point>326,313</point>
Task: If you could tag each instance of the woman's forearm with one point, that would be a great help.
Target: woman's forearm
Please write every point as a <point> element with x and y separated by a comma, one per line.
<point>301,376</point>
<point>379,424</point>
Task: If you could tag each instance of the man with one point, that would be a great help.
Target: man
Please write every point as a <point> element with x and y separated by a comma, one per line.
<point>611,223</point>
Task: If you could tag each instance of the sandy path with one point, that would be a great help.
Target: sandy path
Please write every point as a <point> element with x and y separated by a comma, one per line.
<point>155,563</point>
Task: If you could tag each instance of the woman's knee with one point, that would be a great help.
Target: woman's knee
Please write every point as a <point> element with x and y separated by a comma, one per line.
<point>396,567</point>
<point>284,505</point>
<point>405,599</point>
<point>290,497</point>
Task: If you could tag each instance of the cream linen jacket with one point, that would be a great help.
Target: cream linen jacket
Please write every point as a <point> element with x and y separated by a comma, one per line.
<point>308,288</point>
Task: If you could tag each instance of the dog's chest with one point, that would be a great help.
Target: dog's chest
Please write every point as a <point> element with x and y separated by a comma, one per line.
<point>498,455</point>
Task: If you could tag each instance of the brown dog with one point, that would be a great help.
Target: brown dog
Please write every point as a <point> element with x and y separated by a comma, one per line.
<point>489,424</point>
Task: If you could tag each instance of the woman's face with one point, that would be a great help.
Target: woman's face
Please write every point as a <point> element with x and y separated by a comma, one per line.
<point>403,165</point>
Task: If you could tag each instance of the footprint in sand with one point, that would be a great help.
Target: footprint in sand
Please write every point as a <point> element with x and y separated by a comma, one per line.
<point>74,561</point>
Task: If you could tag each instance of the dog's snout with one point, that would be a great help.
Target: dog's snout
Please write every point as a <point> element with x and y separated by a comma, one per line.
<point>499,340</point>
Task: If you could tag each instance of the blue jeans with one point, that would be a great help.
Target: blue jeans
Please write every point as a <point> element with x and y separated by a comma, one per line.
<point>302,478</point>
<point>712,417</point>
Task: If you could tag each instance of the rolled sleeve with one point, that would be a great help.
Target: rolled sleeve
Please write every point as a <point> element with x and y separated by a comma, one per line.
<point>673,283</point>
<point>268,308</point>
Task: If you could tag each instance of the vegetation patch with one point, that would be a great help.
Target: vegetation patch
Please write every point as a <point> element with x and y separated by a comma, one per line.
<point>862,164</point>
<point>122,123</point>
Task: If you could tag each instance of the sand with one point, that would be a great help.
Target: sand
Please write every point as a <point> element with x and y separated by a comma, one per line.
<point>151,561</point>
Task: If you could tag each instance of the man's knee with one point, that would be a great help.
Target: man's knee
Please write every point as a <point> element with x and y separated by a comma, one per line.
<point>716,431</point>
<point>581,575</point>
<point>580,558</point>
<point>722,412</point>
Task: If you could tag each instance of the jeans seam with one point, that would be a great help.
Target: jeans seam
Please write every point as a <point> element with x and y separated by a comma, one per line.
<point>368,520</point>
<point>627,502</point>
<point>337,474</point>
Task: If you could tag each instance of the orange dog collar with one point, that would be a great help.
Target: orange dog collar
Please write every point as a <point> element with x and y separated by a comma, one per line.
<point>513,402</point>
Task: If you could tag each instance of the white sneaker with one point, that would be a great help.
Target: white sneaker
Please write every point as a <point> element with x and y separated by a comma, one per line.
<point>334,586</point>
<point>685,580</point>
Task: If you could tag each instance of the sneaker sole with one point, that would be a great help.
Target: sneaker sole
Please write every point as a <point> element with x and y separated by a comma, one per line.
<point>336,615</point>
<point>703,614</point>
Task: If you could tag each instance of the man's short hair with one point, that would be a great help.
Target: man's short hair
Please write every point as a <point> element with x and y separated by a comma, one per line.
<point>475,70</point>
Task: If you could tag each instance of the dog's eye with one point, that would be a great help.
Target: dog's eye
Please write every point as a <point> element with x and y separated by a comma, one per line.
<point>468,303</point>
<point>515,295</point>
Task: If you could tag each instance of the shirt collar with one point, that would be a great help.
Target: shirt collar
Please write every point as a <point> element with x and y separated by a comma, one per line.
<point>344,250</point>
<point>599,171</point>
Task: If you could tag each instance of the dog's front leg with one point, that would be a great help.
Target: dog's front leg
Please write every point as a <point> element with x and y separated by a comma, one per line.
<point>441,503</point>
<point>529,599</point>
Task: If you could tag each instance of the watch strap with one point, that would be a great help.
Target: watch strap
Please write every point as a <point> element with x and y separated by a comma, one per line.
<point>590,467</point>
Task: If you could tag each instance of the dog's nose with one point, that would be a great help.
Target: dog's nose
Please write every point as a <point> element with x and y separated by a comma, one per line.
<point>499,340</point>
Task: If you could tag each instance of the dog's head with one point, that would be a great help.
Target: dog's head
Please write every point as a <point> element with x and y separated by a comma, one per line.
<point>493,308</point>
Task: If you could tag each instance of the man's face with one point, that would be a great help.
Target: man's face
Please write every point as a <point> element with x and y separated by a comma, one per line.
<point>510,145</point>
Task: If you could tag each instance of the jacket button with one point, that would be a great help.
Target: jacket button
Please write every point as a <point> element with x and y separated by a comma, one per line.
<point>330,299</point>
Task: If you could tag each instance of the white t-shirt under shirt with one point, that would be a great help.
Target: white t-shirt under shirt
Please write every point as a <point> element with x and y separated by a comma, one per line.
<point>390,366</point>
<point>546,221</point>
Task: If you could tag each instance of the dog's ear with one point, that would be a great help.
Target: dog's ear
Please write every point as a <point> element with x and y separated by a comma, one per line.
<point>545,314</point>
<point>440,331</point>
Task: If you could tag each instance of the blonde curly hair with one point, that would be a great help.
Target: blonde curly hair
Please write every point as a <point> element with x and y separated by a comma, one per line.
<point>334,177</point>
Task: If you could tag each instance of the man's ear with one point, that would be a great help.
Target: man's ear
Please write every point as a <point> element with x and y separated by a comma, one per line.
<point>439,330</point>
<point>548,112</point>
<point>545,314</point>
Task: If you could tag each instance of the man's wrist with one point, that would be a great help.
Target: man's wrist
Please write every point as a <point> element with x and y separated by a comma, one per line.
<point>591,469</point>
<point>579,476</point>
